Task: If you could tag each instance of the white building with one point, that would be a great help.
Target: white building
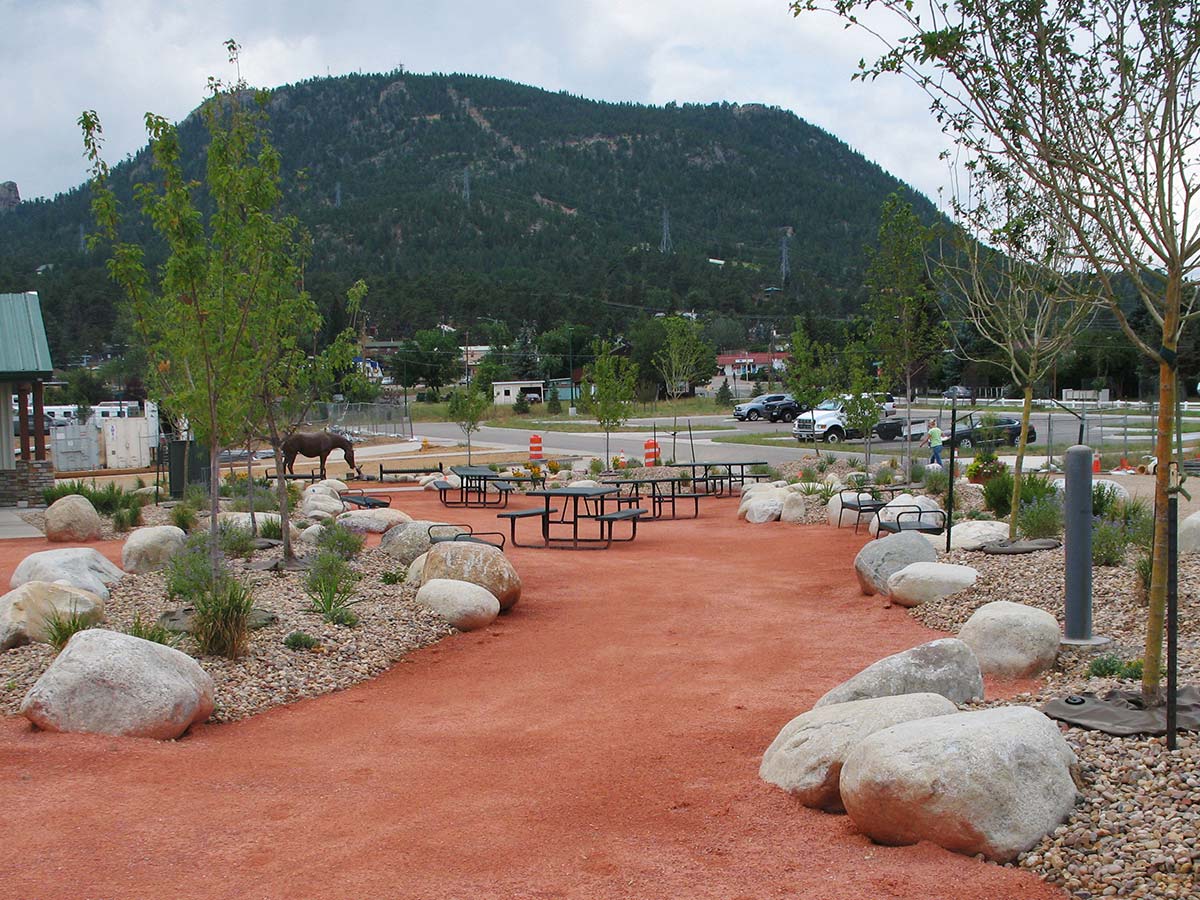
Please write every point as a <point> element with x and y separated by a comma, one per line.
<point>505,393</point>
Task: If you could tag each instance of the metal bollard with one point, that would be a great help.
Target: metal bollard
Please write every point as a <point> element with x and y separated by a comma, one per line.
<point>1077,517</point>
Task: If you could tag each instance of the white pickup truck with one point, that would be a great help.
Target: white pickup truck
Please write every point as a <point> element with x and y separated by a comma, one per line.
<point>827,422</point>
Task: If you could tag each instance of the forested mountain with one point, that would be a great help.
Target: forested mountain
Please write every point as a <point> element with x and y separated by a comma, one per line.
<point>459,197</point>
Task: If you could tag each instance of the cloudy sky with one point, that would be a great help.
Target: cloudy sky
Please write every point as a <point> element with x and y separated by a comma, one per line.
<point>124,57</point>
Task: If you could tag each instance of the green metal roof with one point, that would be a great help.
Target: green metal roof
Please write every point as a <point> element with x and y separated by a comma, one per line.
<point>24,353</point>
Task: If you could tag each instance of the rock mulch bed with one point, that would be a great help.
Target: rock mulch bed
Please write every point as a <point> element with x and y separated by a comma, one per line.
<point>151,515</point>
<point>1134,833</point>
<point>391,625</point>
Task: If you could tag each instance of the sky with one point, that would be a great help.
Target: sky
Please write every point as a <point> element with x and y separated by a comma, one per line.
<point>123,58</point>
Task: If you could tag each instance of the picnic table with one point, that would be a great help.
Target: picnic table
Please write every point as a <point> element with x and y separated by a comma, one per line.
<point>480,486</point>
<point>735,474</point>
<point>594,500</point>
<point>664,491</point>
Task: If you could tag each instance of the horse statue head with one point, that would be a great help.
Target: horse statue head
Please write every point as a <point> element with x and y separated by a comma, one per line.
<point>347,448</point>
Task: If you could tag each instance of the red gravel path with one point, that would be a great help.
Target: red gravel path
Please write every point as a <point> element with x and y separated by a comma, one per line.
<point>602,740</point>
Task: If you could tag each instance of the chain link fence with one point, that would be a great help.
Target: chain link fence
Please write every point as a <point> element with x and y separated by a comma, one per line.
<point>364,419</point>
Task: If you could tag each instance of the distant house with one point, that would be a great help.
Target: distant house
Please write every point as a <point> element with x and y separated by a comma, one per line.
<point>505,393</point>
<point>743,364</point>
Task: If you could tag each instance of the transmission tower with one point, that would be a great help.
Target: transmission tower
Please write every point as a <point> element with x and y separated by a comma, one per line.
<point>785,268</point>
<point>337,196</point>
<point>82,239</point>
<point>467,186</point>
<point>665,245</point>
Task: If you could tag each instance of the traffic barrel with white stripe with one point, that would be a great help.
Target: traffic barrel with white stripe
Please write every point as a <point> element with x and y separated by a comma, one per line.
<point>651,452</point>
<point>535,446</point>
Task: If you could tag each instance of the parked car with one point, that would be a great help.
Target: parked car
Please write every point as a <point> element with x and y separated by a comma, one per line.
<point>828,423</point>
<point>787,410</point>
<point>48,422</point>
<point>957,392</point>
<point>972,431</point>
<point>756,408</point>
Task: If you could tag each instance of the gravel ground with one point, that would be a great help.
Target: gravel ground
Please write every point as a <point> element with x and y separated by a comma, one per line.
<point>151,515</point>
<point>390,626</point>
<point>1135,832</point>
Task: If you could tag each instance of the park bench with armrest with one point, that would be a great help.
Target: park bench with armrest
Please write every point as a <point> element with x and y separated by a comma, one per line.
<point>466,535</point>
<point>314,476</point>
<point>911,518</point>
<point>358,497</point>
<point>410,470</point>
<point>864,499</point>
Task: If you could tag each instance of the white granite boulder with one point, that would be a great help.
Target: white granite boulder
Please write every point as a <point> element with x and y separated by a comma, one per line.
<point>25,612</point>
<point>407,541</point>
<point>806,758</point>
<point>1189,534</point>
<point>375,521</point>
<point>105,682</point>
<point>312,534</point>
<point>946,666</point>
<point>148,549</point>
<point>464,605</point>
<point>879,560</point>
<point>922,582</point>
<point>971,535</point>
<point>72,518</point>
<point>333,485</point>
<point>795,508</point>
<point>833,512</point>
<point>1012,640</point>
<point>763,507</point>
<point>82,567</point>
<point>479,564</point>
<point>992,782</point>
<point>317,502</point>
<point>416,570</point>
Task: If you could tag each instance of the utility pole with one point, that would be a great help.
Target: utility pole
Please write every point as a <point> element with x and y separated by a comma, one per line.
<point>785,269</point>
<point>337,195</point>
<point>664,246</point>
<point>466,188</point>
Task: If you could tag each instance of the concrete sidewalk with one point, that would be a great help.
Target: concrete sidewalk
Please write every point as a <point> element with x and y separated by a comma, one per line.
<point>13,526</point>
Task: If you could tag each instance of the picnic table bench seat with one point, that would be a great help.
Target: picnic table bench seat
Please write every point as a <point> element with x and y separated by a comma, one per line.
<point>410,470</point>
<point>358,497</point>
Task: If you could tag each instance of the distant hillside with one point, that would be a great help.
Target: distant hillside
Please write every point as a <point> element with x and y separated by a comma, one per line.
<point>459,196</point>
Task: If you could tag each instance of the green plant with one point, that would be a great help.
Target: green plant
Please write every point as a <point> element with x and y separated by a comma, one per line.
<point>60,627</point>
<point>997,494</point>
<point>987,465</point>
<point>1143,566</point>
<point>1037,487</point>
<point>827,492</point>
<point>808,473</point>
<point>271,528</point>
<point>811,488</point>
<point>329,585</point>
<point>151,631</point>
<point>822,467</point>
<point>221,624</point>
<point>856,463</point>
<point>298,640</point>
<point>396,576</point>
<point>521,405</point>
<point>916,473</point>
<point>342,616</point>
<point>1109,541</point>
<point>125,518</point>
<point>138,484</point>
<point>336,538</point>
<point>188,572</point>
<point>1104,500</point>
<point>885,475</point>
<point>595,467</point>
<point>1136,517</point>
<point>235,540</point>
<point>829,458</point>
<point>183,516</point>
<point>937,481</point>
<point>1109,665</point>
<point>1041,519</point>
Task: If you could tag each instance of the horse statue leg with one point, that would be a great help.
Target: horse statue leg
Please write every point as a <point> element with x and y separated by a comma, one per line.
<point>323,455</point>
<point>289,460</point>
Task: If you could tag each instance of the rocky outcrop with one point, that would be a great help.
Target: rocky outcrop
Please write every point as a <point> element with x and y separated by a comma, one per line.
<point>10,197</point>
<point>72,518</point>
<point>992,782</point>
<point>1012,640</point>
<point>82,567</point>
<point>806,758</point>
<point>105,682</point>
<point>946,666</point>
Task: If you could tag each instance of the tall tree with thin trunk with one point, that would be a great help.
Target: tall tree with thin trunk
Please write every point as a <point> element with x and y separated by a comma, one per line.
<point>610,382</point>
<point>809,375</point>
<point>1096,104</point>
<point>466,409</point>
<point>908,329</point>
<point>685,358</point>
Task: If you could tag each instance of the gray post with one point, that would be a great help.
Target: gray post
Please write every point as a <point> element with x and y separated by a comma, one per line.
<point>1077,516</point>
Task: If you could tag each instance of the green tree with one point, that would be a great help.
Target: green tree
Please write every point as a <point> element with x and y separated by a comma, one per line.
<point>554,402</point>
<point>85,389</point>
<point>861,393</point>
<point>609,383</point>
<point>685,358</point>
<point>907,329</point>
<point>724,395</point>
<point>199,316</point>
<point>521,404</point>
<point>468,405</point>
<point>1089,115</point>
<point>809,376</point>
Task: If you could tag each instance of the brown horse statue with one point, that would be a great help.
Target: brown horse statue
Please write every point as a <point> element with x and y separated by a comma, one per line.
<point>319,443</point>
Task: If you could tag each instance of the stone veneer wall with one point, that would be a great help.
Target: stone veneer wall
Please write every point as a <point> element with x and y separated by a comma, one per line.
<point>26,482</point>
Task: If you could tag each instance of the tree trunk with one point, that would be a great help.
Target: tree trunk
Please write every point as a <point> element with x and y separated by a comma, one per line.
<point>1016,491</point>
<point>214,507</point>
<point>250,491</point>
<point>908,394</point>
<point>281,490</point>
<point>1155,615</point>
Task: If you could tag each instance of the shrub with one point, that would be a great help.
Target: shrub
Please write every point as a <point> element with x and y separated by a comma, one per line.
<point>196,496</point>
<point>553,466</point>
<point>1136,518</point>
<point>1037,487</point>
<point>826,492</point>
<point>829,458</point>
<point>521,405</point>
<point>884,475</point>
<point>595,467</point>
<point>1109,665</point>
<point>234,540</point>
<point>986,465</point>
<point>396,576</point>
<point>330,585</point>
<point>64,489</point>
<point>937,481</point>
<point>1109,541</point>
<point>916,474</point>
<point>811,488</point>
<point>342,616</point>
<point>1143,567</point>
<point>221,625</point>
<point>188,572</point>
<point>1104,500</point>
<point>808,474</point>
<point>336,538</point>
<point>183,516</point>
<point>822,467</point>
<point>997,494</point>
<point>856,463</point>
<point>271,529</point>
<point>151,631</point>
<point>1041,519</point>
<point>60,627</point>
<point>298,640</point>
<point>125,518</point>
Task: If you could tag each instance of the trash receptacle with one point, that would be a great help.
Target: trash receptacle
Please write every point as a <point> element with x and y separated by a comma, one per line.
<point>196,466</point>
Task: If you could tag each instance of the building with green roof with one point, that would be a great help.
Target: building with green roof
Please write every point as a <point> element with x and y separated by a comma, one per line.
<point>24,367</point>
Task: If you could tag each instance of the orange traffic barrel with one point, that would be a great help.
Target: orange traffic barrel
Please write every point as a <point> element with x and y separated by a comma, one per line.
<point>535,446</point>
<point>651,454</point>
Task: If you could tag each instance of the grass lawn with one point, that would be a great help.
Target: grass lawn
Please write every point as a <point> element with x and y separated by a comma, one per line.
<point>762,438</point>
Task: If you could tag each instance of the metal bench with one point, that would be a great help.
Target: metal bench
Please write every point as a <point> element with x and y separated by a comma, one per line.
<point>912,518</point>
<point>468,536</point>
<point>411,470</point>
<point>856,502</point>
<point>513,514</point>
<point>314,476</point>
<point>622,515</point>
<point>357,497</point>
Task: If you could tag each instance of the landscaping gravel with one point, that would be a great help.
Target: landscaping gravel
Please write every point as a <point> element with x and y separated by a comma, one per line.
<point>391,625</point>
<point>1134,834</point>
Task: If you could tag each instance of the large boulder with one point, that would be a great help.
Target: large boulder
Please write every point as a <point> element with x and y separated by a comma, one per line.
<point>464,605</point>
<point>1012,640</point>
<point>921,582</point>
<point>319,504</point>
<point>72,518</point>
<point>408,541</point>
<point>946,666</point>
<point>806,758</point>
<point>416,570</point>
<point>763,507</point>
<point>105,682</point>
<point>375,521</point>
<point>25,611</point>
<point>82,567</point>
<point>993,782</point>
<point>479,564</point>
<point>148,549</point>
<point>833,512</point>
<point>332,485</point>
<point>972,535</point>
<point>1189,534</point>
<point>312,534</point>
<point>930,513</point>
<point>880,560</point>
<point>795,508</point>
